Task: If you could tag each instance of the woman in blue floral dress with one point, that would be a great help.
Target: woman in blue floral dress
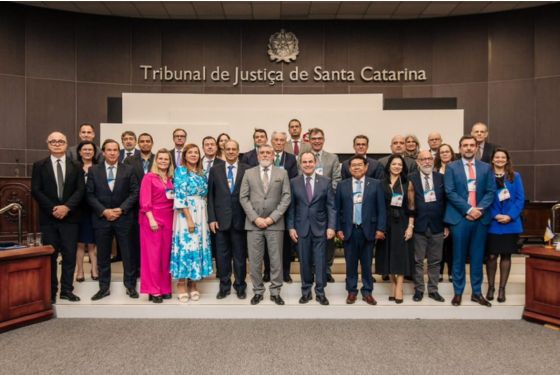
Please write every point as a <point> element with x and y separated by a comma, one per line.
<point>191,254</point>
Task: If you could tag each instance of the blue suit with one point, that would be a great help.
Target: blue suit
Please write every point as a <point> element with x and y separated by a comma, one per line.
<point>360,239</point>
<point>469,237</point>
<point>513,207</point>
<point>311,221</point>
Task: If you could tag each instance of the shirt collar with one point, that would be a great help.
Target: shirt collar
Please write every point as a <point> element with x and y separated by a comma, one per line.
<point>107,165</point>
<point>62,159</point>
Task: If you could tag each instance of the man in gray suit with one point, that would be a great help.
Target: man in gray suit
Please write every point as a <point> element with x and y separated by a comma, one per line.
<point>265,197</point>
<point>295,144</point>
<point>328,166</point>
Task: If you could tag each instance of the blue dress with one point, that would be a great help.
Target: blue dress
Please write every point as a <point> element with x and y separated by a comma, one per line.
<point>191,253</point>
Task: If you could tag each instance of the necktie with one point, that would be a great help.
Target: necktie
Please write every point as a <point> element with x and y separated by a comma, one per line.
<point>358,206</point>
<point>277,160</point>
<point>478,155</point>
<point>208,165</point>
<point>128,154</point>
<point>265,180</point>
<point>230,178</point>
<point>308,189</point>
<point>426,183</point>
<point>60,179</point>
<point>111,178</point>
<point>296,148</point>
<point>178,158</point>
<point>472,194</point>
<point>145,165</point>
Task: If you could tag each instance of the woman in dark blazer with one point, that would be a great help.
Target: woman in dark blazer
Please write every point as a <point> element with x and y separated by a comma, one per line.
<point>506,226</point>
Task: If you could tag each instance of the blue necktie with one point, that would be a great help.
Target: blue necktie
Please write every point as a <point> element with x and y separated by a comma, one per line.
<point>358,206</point>
<point>146,164</point>
<point>230,178</point>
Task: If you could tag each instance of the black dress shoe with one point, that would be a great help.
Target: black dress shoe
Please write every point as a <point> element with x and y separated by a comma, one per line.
<point>436,297</point>
<point>440,278</point>
<point>478,298</point>
<point>266,277</point>
<point>418,295</point>
<point>322,300</point>
<point>156,299</point>
<point>391,298</point>
<point>100,294</point>
<point>116,259</point>
<point>373,279</point>
<point>166,296</point>
<point>288,279</point>
<point>450,279</point>
<point>132,293</point>
<point>222,294</point>
<point>69,296</point>
<point>241,294</point>
<point>256,299</point>
<point>305,299</point>
<point>330,279</point>
<point>277,300</point>
<point>456,301</point>
<point>80,279</point>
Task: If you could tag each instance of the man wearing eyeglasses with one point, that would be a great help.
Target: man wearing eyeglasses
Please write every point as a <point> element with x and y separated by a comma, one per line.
<point>179,140</point>
<point>57,184</point>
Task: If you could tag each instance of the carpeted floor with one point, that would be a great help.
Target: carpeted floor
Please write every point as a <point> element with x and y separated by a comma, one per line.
<point>106,346</point>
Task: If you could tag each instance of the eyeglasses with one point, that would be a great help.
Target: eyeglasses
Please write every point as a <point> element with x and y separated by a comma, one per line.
<point>54,142</point>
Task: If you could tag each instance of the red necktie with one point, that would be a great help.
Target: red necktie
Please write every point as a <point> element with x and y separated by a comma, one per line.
<point>296,148</point>
<point>472,194</point>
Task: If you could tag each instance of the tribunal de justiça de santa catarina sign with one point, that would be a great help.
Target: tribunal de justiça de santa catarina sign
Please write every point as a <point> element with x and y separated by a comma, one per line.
<point>283,47</point>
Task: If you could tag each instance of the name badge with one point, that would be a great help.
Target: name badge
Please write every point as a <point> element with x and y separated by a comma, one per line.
<point>471,183</point>
<point>170,194</point>
<point>430,196</point>
<point>358,198</point>
<point>319,170</point>
<point>503,194</point>
<point>397,200</point>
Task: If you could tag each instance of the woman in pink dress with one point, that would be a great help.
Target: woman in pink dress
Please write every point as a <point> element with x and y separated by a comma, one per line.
<point>156,227</point>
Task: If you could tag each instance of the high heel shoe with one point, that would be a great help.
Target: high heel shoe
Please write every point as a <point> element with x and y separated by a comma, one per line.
<point>490,293</point>
<point>501,295</point>
<point>95,278</point>
<point>398,301</point>
<point>80,279</point>
<point>391,298</point>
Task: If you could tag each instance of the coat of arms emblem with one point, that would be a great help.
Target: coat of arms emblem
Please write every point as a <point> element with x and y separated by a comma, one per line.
<point>283,46</point>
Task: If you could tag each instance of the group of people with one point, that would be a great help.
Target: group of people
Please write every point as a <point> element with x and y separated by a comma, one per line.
<point>172,212</point>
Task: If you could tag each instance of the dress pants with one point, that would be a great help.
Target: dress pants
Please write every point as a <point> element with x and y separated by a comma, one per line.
<point>427,245</point>
<point>104,239</point>
<point>469,238</point>
<point>231,245</point>
<point>331,249</point>
<point>312,251</point>
<point>287,249</point>
<point>358,249</point>
<point>64,238</point>
<point>256,241</point>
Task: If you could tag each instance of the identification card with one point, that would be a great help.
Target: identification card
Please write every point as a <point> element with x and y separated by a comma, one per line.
<point>319,171</point>
<point>170,194</point>
<point>397,200</point>
<point>358,198</point>
<point>430,196</point>
<point>503,194</point>
<point>471,183</point>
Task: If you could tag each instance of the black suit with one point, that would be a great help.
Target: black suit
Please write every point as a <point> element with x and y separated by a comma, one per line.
<point>173,153</point>
<point>250,158</point>
<point>125,197</point>
<point>122,154</point>
<point>488,151</point>
<point>224,208</point>
<point>374,169</point>
<point>61,234</point>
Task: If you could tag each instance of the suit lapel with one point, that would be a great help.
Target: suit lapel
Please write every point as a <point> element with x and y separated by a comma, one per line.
<point>50,170</point>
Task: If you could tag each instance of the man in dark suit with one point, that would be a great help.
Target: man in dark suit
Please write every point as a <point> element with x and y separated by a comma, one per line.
<point>429,229</point>
<point>398,147</point>
<point>57,184</point>
<point>361,219</point>
<point>484,149</point>
<point>209,159</point>
<point>112,193</point>
<point>86,132</point>
<point>179,140</point>
<point>374,170</point>
<point>227,221</point>
<point>260,137</point>
<point>128,139</point>
<point>311,221</point>
<point>470,187</point>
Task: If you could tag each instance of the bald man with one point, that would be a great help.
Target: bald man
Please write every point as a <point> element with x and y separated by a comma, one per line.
<point>398,147</point>
<point>57,184</point>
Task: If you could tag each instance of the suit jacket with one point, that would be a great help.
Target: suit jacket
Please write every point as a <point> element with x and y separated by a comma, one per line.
<point>456,189</point>
<point>136,163</point>
<point>223,205</point>
<point>256,203</point>
<point>488,151</point>
<point>173,154</point>
<point>316,216</point>
<point>513,207</point>
<point>374,169</point>
<point>374,212</point>
<point>289,163</point>
<point>430,214</point>
<point>410,163</point>
<point>331,167</point>
<point>100,197</point>
<point>250,158</point>
<point>122,153</point>
<point>72,153</point>
<point>303,146</point>
<point>216,161</point>
<point>45,191</point>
